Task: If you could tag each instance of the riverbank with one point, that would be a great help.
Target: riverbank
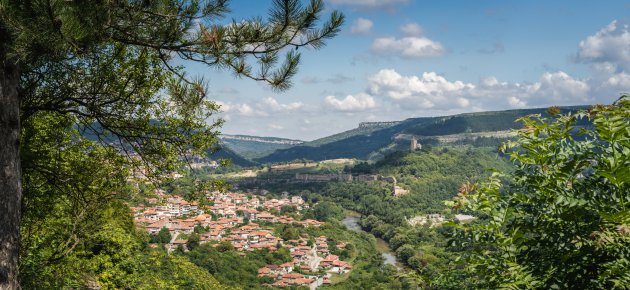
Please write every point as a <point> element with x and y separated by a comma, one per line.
<point>351,222</point>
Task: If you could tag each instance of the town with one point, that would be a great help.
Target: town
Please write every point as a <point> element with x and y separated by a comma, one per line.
<point>237,219</point>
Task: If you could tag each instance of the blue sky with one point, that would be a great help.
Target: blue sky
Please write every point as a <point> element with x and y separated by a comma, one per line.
<point>396,59</point>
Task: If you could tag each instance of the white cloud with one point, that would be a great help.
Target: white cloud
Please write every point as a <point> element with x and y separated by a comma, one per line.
<point>427,91</point>
<point>608,53</point>
<point>239,109</point>
<point>412,29</point>
<point>620,80</point>
<point>560,88</point>
<point>359,102</point>
<point>369,3</point>
<point>610,45</point>
<point>361,26</point>
<point>434,92</point>
<point>516,102</point>
<point>264,108</point>
<point>271,104</point>
<point>408,47</point>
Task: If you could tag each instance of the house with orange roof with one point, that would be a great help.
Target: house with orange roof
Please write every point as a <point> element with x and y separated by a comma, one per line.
<point>328,261</point>
<point>264,271</point>
<point>288,266</point>
<point>265,216</point>
<point>339,266</point>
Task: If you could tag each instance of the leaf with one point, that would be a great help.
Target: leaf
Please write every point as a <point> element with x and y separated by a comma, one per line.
<point>622,217</point>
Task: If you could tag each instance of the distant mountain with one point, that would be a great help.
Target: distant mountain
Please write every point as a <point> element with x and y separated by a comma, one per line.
<point>227,153</point>
<point>371,140</point>
<point>254,146</point>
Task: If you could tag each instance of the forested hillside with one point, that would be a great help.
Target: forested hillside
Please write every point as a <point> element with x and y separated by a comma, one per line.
<point>254,146</point>
<point>358,144</point>
<point>431,176</point>
<point>225,152</point>
<point>364,143</point>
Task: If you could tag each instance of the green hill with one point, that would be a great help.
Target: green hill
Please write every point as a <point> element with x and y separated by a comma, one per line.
<point>367,142</point>
<point>254,146</point>
<point>227,153</point>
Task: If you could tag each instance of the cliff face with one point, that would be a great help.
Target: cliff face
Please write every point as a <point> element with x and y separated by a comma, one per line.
<point>365,125</point>
<point>267,140</point>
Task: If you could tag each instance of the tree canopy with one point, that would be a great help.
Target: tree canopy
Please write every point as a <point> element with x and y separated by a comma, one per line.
<point>91,92</point>
<point>562,219</point>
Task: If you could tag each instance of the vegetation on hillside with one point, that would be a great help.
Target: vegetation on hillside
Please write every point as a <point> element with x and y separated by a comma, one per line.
<point>563,220</point>
<point>68,65</point>
<point>478,122</point>
<point>252,147</point>
<point>371,143</point>
<point>557,220</point>
<point>225,152</point>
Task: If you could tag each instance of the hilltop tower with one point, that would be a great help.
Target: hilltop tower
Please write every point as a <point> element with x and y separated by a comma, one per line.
<point>413,144</point>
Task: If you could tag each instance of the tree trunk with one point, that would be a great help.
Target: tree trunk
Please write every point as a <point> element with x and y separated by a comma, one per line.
<point>10,171</point>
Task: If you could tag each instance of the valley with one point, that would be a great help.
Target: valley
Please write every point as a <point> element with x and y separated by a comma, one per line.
<point>382,213</point>
<point>356,203</point>
<point>372,203</point>
<point>314,144</point>
<point>351,221</point>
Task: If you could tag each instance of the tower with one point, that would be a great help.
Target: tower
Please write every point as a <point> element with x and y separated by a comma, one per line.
<point>413,144</point>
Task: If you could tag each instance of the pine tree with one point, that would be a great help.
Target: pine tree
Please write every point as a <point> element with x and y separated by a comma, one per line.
<point>107,69</point>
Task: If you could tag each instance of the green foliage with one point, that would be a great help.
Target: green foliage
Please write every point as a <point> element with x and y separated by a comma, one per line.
<point>432,177</point>
<point>405,252</point>
<point>114,257</point>
<point>370,142</point>
<point>101,95</point>
<point>254,146</point>
<point>563,221</point>
<point>156,270</point>
<point>435,176</point>
<point>286,209</point>
<point>230,268</point>
<point>163,236</point>
<point>193,241</point>
<point>327,211</point>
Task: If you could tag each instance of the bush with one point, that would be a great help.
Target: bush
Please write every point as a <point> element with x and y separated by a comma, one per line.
<point>563,221</point>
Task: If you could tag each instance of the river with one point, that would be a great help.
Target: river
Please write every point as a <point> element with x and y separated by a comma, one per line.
<point>352,223</point>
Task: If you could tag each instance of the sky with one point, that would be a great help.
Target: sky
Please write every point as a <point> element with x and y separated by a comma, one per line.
<point>397,59</point>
